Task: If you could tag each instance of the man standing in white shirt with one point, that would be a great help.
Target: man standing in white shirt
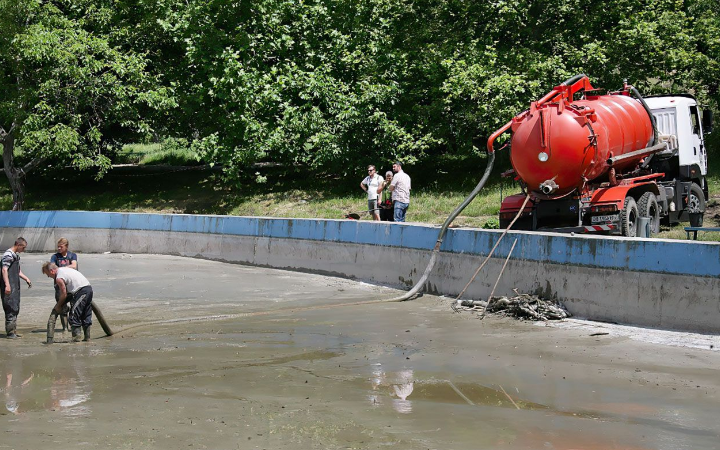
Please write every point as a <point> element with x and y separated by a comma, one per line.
<point>400,188</point>
<point>371,184</point>
<point>76,289</point>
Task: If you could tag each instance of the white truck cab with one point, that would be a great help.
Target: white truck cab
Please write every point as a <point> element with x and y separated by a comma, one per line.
<point>685,161</point>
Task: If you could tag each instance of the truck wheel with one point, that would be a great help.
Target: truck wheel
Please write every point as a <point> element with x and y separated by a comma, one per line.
<point>695,200</point>
<point>628,218</point>
<point>648,207</point>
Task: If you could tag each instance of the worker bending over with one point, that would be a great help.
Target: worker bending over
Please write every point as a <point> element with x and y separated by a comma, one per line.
<point>76,289</point>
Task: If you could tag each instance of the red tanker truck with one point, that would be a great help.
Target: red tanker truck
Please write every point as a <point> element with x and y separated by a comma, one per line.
<point>594,162</point>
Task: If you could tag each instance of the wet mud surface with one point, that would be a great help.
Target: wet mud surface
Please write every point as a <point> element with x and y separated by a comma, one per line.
<point>409,375</point>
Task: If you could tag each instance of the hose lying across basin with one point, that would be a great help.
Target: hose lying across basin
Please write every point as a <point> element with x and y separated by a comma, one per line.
<point>412,292</point>
<point>431,264</point>
<point>408,295</point>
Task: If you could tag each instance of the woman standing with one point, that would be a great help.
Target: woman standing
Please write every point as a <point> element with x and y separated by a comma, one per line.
<point>386,205</point>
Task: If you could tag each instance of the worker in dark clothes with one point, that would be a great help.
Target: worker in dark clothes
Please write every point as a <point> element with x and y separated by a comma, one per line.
<point>10,286</point>
<point>64,258</point>
<point>75,289</point>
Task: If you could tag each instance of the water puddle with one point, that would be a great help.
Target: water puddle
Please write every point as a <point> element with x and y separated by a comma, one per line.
<point>402,388</point>
<point>67,392</point>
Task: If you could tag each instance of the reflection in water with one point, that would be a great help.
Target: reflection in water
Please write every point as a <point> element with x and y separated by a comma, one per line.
<point>402,406</point>
<point>402,386</point>
<point>12,393</point>
<point>377,380</point>
<point>67,394</point>
<point>75,400</point>
<point>403,390</point>
<point>71,388</point>
<point>64,388</point>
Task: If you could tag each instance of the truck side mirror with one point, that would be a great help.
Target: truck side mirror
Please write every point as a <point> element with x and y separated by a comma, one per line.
<point>707,121</point>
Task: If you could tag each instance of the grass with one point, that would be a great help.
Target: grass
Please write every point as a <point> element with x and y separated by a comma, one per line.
<point>171,152</point>
<point>134,153</point>
<point>440,184</point>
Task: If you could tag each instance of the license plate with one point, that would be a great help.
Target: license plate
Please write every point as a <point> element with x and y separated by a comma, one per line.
<point>605,219</point>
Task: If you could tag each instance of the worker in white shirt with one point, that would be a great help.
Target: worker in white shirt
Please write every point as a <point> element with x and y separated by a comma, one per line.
<point>76,289</point>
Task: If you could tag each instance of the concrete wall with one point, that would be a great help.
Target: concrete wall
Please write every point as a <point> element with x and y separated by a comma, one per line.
<point>655,283</point>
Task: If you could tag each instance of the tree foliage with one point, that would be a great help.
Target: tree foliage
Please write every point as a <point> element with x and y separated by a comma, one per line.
<point>67,92</point>
<point>331,83</point>
<point>337,83</point>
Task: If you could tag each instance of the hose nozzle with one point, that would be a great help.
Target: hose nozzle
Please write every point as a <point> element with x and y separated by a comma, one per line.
<point>548,187</point>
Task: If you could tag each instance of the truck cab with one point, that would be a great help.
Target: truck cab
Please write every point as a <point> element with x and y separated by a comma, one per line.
<point>684,163</point>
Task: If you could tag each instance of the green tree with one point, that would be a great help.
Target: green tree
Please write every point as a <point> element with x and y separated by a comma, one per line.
<point>324,84</point>
<point>67,92</point>
<point>337,83</point>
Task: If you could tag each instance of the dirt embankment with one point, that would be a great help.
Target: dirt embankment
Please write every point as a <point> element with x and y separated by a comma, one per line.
<point>712,211</point>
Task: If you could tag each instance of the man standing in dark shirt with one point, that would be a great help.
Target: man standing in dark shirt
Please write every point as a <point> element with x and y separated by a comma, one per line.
<point>63,258</point>
<point>10,286</point>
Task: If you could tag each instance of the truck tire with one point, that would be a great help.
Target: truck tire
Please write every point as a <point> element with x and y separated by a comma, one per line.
<point>628,218</point>
<point>648,207</point>
<point>695,199</point>
<point>695,205</point>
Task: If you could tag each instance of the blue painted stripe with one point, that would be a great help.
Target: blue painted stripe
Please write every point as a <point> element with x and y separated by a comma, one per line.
<point>675,257</point>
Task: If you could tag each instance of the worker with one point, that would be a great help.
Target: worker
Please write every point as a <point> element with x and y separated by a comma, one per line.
<point>64,258</point>
<point>10,286</point>
<point>75,289</point>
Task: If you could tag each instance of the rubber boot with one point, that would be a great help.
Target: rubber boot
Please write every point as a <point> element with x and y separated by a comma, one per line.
<point>10,328</point>
<point>51,327</point>
<point>76,334</point>
<point>86,332</point>
<point>64,321</point>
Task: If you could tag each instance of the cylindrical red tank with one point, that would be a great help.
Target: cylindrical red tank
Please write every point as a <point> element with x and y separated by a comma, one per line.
<point>569,143</point>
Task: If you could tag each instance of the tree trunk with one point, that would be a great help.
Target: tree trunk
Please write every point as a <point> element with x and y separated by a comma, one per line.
<point>17,184</point>
<point>15,176</point>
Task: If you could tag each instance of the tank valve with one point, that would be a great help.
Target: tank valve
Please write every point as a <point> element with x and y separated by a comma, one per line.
<point>547,187</point>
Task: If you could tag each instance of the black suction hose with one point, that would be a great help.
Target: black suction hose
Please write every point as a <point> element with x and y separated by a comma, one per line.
<point>454,214</point>
<point>573,79</point>
<point>443,230</point>
<point>647,109</point>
